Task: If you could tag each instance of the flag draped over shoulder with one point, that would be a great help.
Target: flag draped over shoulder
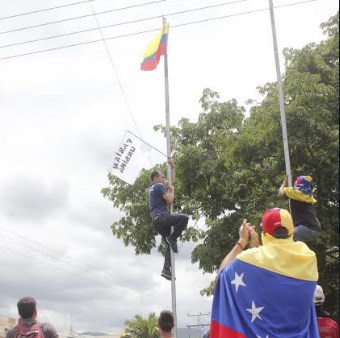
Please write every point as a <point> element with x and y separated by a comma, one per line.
<point>156,48</point>
<point>130,158</point>
<point>261,296</point>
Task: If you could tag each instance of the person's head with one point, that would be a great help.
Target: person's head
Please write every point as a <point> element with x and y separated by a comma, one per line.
<point>27,307</point>
<point>304,184</point>
<point>277,223</point>
<point>166,321</point>
<point>319,296</point>
<point>157,176</point>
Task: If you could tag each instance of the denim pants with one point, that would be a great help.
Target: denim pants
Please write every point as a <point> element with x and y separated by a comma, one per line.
<point>304,234</point>
<point>163,224</point>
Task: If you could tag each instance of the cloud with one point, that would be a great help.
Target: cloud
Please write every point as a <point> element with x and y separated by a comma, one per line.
<point>30,198</point>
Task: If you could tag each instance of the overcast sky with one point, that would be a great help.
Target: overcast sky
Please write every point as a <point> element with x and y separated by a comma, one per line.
<point>62,116</point>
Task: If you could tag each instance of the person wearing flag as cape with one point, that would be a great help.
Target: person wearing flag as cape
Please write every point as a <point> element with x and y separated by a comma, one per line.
<point>161,196</point>
<point>266,291</point>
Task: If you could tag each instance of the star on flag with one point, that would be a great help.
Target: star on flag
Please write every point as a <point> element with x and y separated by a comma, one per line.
<point>238,280</point>
<point>255,311</point>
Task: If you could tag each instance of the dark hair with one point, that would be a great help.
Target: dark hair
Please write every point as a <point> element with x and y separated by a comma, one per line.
<point>26,307</point>
<point>155,173</point>
<point>166,321</point>
<point>281,232</point>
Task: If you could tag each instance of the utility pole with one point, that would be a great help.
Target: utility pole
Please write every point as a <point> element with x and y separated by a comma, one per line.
<point>281,96</point>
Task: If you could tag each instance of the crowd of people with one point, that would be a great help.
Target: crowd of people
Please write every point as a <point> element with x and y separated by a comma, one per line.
<point>262,290</point>
<point>255,287</point>
<point>29,327</point>
<point>271,290</point>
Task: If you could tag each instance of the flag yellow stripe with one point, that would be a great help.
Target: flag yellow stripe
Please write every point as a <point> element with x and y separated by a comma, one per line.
<point>283,256</point>
<point>154,44</point>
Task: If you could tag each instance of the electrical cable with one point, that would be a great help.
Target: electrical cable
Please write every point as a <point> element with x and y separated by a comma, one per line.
<point>116,73</point>
<point>242,13</point>
<point>43,10</point>
<point>44,262</point>
<point>127,22</point>
<point>55,254</point>
<point>77,44</point>
<point>150,30</point>
<point>117,24</point>
<point>55,258</point>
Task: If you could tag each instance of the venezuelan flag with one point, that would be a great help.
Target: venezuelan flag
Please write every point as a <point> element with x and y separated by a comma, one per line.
<point>267,292</point>
<point>156,48</point>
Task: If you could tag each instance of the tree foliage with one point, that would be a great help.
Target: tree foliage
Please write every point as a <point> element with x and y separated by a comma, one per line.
<point>230,166</point>
<point>142,328</point>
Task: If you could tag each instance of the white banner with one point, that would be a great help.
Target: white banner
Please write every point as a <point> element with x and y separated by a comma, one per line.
<point>130,158</point>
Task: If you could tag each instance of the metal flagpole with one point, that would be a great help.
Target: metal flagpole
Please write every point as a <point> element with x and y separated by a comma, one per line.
<point>168,151</point>
<point>281,99</point>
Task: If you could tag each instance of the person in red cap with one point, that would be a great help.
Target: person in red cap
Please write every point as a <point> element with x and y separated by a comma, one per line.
<point>306,224</point>
<point>266,290</point>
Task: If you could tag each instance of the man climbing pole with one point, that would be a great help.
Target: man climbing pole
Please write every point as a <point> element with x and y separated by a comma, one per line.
<point>161,196</point>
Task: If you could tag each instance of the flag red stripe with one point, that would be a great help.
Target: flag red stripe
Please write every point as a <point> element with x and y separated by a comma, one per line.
<point>219,331</point>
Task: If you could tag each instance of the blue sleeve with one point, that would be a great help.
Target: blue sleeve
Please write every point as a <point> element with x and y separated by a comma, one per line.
<point>160,188</point>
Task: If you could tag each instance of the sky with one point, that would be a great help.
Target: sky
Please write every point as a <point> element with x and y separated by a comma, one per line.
<point>64,112</point>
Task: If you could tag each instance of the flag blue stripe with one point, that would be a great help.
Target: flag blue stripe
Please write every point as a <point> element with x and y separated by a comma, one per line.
<point>255,307</point>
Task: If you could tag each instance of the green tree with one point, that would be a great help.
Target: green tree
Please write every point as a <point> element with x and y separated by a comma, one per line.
<point>142,328</point>
<point>230,166</point>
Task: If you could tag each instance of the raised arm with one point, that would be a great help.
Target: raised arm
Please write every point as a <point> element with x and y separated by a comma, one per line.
<point>173,170</point>
<point>281,194</point>
<point>244,231</point>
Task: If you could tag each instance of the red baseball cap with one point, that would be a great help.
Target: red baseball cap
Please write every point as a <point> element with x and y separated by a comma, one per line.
<point>274,218</point>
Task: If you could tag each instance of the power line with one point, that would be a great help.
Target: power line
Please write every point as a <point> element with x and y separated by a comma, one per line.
<point>77,44</point>
<point>239,14</point>
<point>54,254</point>
<point>150,30</point>
<point>43,10</point>
<point>50,256</point>
<point>107,50</point>
<point>123,8</point>
<point>199,324</point>
<point>78,32</point>
<point>43,262</point>
<point>116,73</point>
<point>118,24</point>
